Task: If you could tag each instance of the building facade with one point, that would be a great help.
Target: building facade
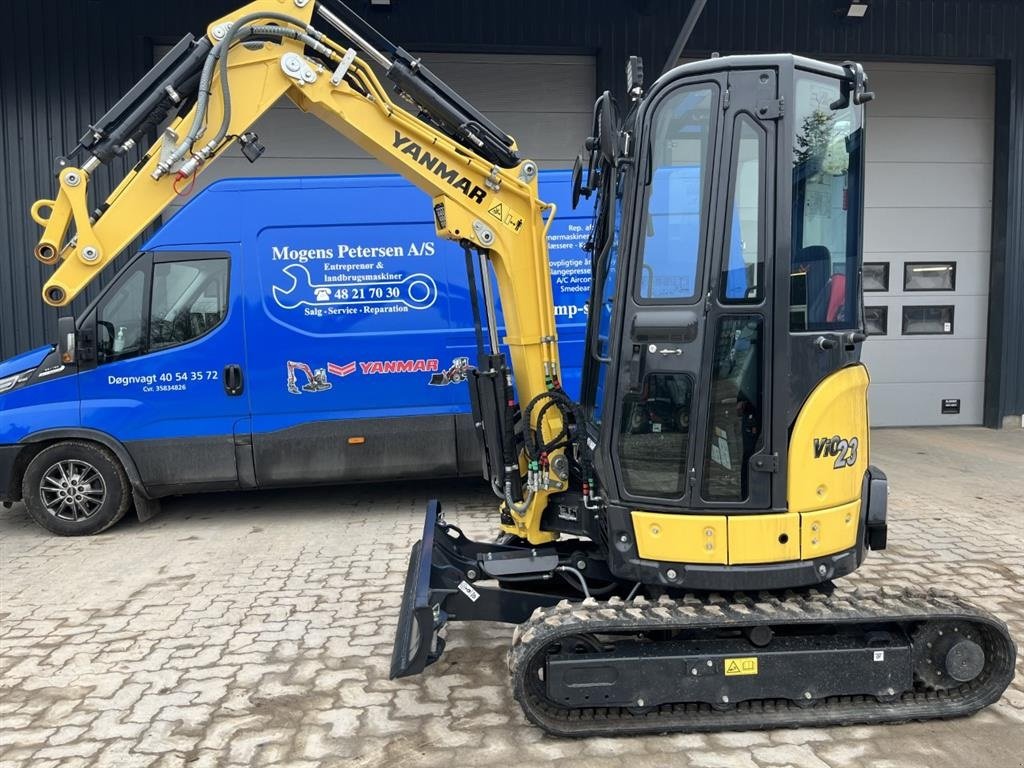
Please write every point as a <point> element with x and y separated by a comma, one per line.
<point>944,225</point>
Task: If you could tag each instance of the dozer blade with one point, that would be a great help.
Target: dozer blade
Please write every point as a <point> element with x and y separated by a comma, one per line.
<point>417,640</point>
<point>754,662</point>
<point>453,578</point>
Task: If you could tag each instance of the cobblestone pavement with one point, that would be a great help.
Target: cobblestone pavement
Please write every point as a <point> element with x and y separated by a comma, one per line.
<point>255,629</point>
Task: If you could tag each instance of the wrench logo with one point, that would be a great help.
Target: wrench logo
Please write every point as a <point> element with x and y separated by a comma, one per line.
<point>417,291</point>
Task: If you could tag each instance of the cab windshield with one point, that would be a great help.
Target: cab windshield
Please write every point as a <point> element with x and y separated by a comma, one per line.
<point>827,188</point>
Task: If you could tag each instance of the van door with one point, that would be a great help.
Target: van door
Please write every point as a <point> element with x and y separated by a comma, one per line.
<point>347,327</point>
<point>168,380</point>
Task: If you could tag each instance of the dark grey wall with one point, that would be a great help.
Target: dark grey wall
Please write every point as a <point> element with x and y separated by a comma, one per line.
<point>95,49</point>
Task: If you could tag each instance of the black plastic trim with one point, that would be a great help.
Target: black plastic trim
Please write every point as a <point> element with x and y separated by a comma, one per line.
<point>8,459</point>
<point>319,451</point>
<point>118,448</point>
<point>876,503</point>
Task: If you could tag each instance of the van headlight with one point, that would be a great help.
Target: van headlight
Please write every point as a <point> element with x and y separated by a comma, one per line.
<point>10,382</point>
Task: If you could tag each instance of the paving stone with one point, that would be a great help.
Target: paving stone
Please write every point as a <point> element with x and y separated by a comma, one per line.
<point>226,647</point>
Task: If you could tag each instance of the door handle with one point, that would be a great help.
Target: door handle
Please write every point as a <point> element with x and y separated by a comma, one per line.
<point>636,369</point>
<point>233,382</point>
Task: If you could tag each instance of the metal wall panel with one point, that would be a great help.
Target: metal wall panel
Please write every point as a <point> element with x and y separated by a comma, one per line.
<point>94,50</point>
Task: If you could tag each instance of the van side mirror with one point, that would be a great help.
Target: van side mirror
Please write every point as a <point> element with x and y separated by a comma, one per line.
<point>67,338</point>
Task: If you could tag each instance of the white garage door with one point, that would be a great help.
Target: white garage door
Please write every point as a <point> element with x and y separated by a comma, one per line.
<point>544,102</point>
<point>927,232</point>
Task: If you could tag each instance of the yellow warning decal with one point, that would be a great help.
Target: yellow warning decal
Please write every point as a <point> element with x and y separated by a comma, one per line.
<point>507,216</point>
<point>742,666</point>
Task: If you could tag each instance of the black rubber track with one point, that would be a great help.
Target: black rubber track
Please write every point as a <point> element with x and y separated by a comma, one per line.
<point>908,608</point>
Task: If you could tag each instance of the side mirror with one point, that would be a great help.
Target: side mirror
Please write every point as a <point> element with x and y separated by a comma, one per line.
<point>577,182</point>
<point>608,127</point>
<point>67,338</point>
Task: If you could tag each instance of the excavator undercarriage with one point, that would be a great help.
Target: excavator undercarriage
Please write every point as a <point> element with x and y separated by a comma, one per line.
<point>618,662</point>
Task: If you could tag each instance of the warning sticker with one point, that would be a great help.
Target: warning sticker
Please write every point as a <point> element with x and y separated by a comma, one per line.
<point>742,666</point>
<point>506,216</point>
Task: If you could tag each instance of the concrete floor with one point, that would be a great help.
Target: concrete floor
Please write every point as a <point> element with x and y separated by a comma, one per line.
<point>255,629</point>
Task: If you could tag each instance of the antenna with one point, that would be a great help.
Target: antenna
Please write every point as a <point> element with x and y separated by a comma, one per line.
<point>684,34</point>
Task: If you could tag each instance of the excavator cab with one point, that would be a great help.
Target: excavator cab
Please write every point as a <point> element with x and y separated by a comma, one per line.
<point>726,290</point>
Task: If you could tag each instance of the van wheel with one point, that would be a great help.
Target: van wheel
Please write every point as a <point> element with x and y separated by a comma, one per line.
<point>75,489</point>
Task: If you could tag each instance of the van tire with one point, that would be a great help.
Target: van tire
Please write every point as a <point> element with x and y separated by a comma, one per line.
<point>102,499</point>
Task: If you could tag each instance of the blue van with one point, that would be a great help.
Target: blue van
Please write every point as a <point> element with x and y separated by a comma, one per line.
<point>275,332</point>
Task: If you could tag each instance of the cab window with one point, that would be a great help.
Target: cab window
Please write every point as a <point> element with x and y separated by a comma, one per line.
<point>189,300</point>
<point>677,194</point>
<point>825,274</point>
<point>160,301</point>
<point>120,317</point>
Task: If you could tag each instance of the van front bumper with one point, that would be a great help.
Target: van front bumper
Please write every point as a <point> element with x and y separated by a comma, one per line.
<point>8,457</point>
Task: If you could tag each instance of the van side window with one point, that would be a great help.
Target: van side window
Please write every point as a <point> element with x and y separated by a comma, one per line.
<point>189,299</point>
<point>120,321</point>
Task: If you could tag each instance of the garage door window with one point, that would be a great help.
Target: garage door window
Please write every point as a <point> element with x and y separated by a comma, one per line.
<point>924,321</point>
<point>929,276</point>
<point>876,276</point>
<point>826,227</point>
<point>876,320</point>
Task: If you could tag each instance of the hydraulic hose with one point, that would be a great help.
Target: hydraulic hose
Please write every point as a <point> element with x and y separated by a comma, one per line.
<point>263,29</point>
<point>218,53</point>
<point>519,507</point>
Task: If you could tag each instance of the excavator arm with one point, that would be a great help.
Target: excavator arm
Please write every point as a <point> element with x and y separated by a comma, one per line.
<point>484,196</point>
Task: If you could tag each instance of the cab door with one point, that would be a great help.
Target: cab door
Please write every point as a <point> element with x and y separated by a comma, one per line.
<point>734,463</point>
<point>690,405</point>
<point>167,379</point>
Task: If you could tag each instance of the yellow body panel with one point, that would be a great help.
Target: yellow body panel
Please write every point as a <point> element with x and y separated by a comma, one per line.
<point>828,531</point>
<point>828,447</point>
<point>764,538</point>
<point>681,538</point>
<point>745,539</point>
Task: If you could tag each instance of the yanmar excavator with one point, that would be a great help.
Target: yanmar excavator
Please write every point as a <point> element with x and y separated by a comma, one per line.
<point>666,543</point>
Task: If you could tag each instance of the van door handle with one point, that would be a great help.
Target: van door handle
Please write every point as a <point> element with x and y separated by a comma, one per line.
<point>233,379</point>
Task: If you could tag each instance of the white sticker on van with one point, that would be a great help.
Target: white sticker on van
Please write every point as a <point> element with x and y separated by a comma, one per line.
<point>416,291</point>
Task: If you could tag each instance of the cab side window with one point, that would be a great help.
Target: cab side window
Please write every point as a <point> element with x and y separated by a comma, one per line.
<point>120,317</point>
<point>189,300</point>
<point>161,301</point>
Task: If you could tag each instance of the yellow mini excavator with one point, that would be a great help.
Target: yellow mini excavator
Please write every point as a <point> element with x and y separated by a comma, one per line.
<point>666,543</point>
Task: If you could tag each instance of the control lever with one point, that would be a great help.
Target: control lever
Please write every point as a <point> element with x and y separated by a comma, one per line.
<point>824,343</point>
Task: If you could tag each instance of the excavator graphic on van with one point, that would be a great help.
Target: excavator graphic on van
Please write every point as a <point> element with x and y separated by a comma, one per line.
<point>316,380</point>
<point>456,373</point>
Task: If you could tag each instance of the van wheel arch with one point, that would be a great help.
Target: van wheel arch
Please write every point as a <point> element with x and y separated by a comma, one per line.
<point>76,488</point>
<point>145,506</point>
